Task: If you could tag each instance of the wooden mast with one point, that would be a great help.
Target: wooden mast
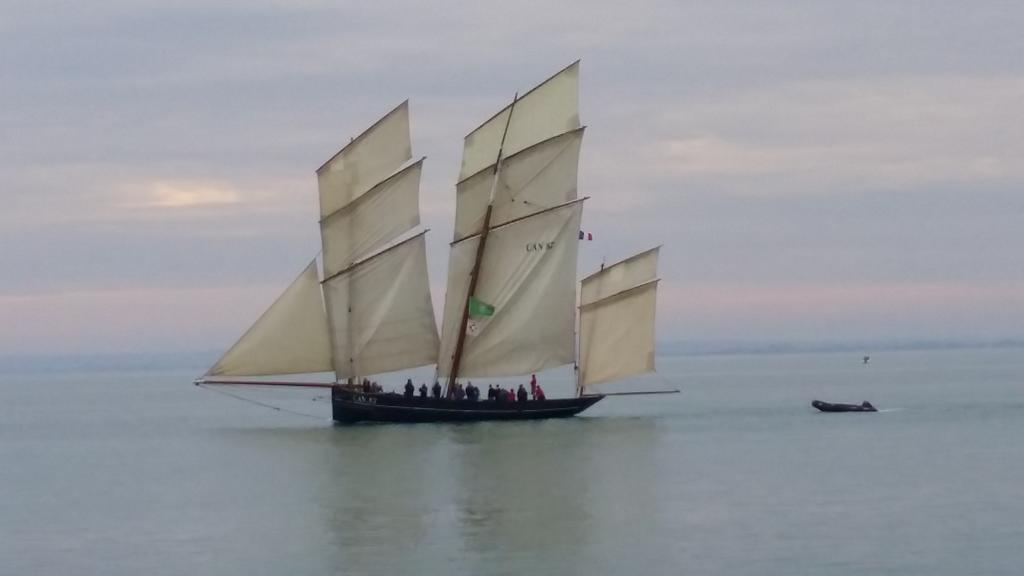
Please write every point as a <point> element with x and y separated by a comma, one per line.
<point>475,274</point>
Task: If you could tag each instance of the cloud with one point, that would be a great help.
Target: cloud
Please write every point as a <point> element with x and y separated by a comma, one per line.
<point>187,195</point>
<point>834,136</point>
<point>152,146</point>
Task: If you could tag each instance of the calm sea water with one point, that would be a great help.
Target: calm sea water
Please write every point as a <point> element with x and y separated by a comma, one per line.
<point>142,473</point>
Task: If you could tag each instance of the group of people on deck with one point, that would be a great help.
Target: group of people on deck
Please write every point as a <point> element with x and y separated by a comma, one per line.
<point>371,387</point>
<point>471,392</point>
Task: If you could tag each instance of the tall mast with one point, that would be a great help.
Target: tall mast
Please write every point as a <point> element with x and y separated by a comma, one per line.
<point>478,261</point>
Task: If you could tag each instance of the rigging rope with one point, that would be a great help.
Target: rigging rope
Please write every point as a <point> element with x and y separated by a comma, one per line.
<point>258,403</point>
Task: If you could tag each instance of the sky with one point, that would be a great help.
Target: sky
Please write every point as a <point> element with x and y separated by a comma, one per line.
<point>816,171</point>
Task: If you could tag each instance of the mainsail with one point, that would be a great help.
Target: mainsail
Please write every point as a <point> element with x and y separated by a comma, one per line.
<point>617,307</point>
<point>516,246</point>
<point>379,315</point>
<point>529,277</point>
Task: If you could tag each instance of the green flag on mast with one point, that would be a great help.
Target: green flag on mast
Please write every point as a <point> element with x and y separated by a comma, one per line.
<point>479,307</point>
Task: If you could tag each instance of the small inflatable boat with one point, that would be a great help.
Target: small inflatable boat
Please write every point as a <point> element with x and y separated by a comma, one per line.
<point>829,407</point>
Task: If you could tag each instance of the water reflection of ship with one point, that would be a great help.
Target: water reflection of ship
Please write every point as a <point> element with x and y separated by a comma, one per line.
<point>511,305</point>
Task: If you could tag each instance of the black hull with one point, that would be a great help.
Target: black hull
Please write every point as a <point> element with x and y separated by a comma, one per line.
<point>830,407</point>
<point>349,406</point>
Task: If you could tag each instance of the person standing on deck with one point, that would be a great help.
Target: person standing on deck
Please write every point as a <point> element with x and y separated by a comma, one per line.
<point>533,385</point>
<point>521,394</point>
<point>409,388</point>
<point>540,393</point>
<point>436,390</point>
<point>423,390</point>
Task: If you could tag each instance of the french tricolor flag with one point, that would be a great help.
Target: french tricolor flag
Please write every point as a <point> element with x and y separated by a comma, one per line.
<point>586,235</point>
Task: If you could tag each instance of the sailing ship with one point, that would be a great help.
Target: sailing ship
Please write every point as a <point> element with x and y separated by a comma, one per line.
<point>511,306</point>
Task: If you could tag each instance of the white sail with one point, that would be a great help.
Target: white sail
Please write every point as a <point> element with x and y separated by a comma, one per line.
<point>539,177</point>
<point>368,159</point>
<point>632,271</point>
<point>381,313</point>
<point>291,337</point>
<point>529,276</point>
<point>382,214</point>
<point>617,335</point>
<point>549,109</point>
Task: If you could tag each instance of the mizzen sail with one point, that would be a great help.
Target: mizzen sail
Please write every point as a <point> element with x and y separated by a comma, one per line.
<point>617,307</point>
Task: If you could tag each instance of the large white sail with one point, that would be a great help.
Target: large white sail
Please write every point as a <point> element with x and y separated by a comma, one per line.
<point>548,110</point>
<point>291,337</point>
<point>369,222</point>
<point>539,177</point>
<point>528,275</point>
<point>381,313</point>
<point>617,306</point>
<point>617,335</point>
<point>369,158</point>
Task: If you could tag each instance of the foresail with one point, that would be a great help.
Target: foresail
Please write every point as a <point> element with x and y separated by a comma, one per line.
<point>379,216</point>
<point>381,313</point>
<point>539,177</point>
<point>368,159</point>
<point>291,337</point>
<point>617,335</point>
<point>529,278</point>
<point>548,110</point>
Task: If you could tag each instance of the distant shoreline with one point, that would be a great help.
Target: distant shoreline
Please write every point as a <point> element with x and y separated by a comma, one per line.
<point>198,361</point>
<point>726,348</point>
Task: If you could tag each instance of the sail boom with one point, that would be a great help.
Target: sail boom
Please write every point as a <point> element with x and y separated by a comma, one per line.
<point>641,393</point>
<point>208,382</point>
